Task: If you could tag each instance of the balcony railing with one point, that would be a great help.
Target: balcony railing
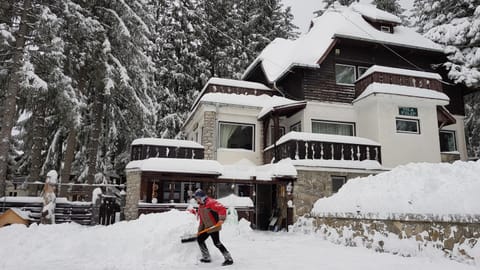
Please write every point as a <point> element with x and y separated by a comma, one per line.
<point>139,152</point>
<point>318,150</point>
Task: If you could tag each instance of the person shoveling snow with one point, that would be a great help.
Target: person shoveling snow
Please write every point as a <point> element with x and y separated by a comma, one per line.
<point>212,215</point>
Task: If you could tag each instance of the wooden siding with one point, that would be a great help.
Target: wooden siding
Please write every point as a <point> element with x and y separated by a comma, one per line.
<point>320,84</point>
<point>387,78</point>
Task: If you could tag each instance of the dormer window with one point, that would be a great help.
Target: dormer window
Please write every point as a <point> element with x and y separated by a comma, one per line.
<point>386,28</point>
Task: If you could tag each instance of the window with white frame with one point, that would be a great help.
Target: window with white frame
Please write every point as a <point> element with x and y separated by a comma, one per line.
<point>296,127</point>
<point>447,141</point>
<point>405,125</point>
<point>345,74</point>
<point>335,128</point>
<point>236,135</point>
<point>338,182</point>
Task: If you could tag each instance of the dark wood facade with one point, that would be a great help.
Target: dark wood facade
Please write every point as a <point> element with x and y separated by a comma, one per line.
<point>319,84</point>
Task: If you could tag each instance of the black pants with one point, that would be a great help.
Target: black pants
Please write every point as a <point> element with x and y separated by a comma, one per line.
<point>216,241</point>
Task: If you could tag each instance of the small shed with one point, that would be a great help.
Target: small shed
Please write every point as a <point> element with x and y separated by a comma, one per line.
<point>14,216</point>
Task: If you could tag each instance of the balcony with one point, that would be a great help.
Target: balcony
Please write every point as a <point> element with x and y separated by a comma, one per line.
<point>164,148</point>
<point>310,146</point>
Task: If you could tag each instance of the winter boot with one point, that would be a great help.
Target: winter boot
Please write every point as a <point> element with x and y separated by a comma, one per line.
<point>205,260</point>
<point>228,259</point>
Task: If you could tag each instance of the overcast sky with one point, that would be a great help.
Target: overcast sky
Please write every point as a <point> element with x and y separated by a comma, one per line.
<point>303,10</point>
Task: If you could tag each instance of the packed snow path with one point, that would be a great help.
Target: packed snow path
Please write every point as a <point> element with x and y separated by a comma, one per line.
<point>153,242</point>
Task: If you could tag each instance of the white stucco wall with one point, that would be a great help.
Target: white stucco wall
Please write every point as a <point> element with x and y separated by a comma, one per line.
<point>328,112</point>
<point>459,128</point>
<point>376,121</point>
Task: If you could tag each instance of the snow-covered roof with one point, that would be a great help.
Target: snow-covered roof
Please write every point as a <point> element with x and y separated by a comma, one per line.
<point>344,164</point>
<point>401,90</point>
<point>167,142</point>
<point>244,170</point>
<point>265,102</point>
<point>415,188</point>
<point>236,201</point>
<point>400,71</point>
<point>23,214</point>
<point>192,166</point>
<point>345,22</point>
<point>232,83</point>
<point>307,136</point>
<point>375,14</point>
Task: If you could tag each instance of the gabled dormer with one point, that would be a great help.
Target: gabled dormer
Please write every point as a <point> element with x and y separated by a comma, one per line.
<point>379,19</point>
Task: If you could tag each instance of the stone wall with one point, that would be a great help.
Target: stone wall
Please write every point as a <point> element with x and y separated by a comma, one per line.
<point>208,134</point>
<point>133,194</point>
<point>313,185</point>
<point>457,238</point>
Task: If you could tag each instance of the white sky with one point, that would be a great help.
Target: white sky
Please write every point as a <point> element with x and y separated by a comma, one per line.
<point>303,10</point>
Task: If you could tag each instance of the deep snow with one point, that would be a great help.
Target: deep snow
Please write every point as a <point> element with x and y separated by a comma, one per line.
<point>153,242</point>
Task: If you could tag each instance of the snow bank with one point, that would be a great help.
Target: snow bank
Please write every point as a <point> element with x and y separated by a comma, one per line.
<point>416,188</point>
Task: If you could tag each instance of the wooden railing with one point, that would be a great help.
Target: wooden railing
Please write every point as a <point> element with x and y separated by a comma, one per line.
<point>139,152</point>
<point>298,150</point>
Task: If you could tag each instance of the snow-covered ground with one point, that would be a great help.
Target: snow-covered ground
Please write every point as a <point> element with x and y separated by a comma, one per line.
<point>153,242</point>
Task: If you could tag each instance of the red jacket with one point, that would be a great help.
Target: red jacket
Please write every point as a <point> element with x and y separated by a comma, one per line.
<point>210,213</point>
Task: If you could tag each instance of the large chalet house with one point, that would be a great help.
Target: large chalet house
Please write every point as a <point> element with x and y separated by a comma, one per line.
<point>358,94</point>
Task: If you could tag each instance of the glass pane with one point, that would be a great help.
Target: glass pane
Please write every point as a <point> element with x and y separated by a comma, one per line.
<point>345,74</point>
<point>297,127</point>
<point>236,136</point>
<point>447,142</point>
<point>332,128</point>
<point>361,70</point>
<point>407,126</point>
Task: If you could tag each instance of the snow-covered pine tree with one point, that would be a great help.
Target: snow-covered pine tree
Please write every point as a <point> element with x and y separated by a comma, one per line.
<point>391,6</point>
<point>456,26</point>
<point>472,124</point>
<point>16,30</point>
<point>329,3</point>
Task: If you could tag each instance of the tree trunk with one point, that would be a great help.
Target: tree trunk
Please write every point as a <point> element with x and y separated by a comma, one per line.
<point>37,146</point>
<point>67,165</point>
<point>13,84</point>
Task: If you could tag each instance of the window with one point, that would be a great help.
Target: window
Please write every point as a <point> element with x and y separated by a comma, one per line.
<point>236,136</point>
<point>272,133</point>
<point>447,141</point>
<point>360,71</point>
<point>408,125</point>
<point>385,28</point>
<point>338,182</point>
<point>345,74</point>
<point>296,127</point>
<point>335,128</point>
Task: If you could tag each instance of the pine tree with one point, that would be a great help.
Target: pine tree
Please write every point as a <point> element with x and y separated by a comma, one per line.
<point>456,26</point>
<point>472,124</point>
<point>391,6</point>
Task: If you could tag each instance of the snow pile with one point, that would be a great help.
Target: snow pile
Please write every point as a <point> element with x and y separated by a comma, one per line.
<point>167,142</point>
<point>417,188</point>
<point>233,200</point>
<point>153,242</point>
<point>401,90</point>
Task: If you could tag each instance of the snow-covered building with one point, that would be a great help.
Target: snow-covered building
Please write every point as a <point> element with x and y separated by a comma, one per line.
<point>357,95</point>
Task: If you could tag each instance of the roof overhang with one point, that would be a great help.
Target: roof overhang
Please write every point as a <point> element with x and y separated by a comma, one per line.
<point>444,117</point>
<point>284,110</point>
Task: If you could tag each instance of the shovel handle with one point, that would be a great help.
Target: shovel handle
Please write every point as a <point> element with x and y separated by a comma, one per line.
<point>207,229</point>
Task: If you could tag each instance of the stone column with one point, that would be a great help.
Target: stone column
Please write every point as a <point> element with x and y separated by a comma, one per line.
<point>208,136</point>
<point>134,179</point>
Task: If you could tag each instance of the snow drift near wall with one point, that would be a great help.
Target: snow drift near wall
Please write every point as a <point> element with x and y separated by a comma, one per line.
<point>416,188</point>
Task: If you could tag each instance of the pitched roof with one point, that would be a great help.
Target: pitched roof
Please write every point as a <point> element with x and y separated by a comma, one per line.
<point>345,22</point>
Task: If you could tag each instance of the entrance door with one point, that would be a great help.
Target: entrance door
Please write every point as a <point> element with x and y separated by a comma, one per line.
<point>265,197</point>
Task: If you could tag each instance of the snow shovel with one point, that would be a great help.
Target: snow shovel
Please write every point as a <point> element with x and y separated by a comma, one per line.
<point>193,237</point>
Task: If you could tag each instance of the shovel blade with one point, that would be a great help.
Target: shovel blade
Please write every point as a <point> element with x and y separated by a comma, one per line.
<point>189,238</point>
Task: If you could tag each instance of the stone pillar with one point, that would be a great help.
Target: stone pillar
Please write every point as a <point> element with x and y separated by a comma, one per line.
<point>134,179</point>
<point>208,135</point>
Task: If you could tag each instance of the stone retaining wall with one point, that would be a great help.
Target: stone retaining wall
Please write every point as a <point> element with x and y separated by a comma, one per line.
<point>133,194</point>
<point>457,238</point>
